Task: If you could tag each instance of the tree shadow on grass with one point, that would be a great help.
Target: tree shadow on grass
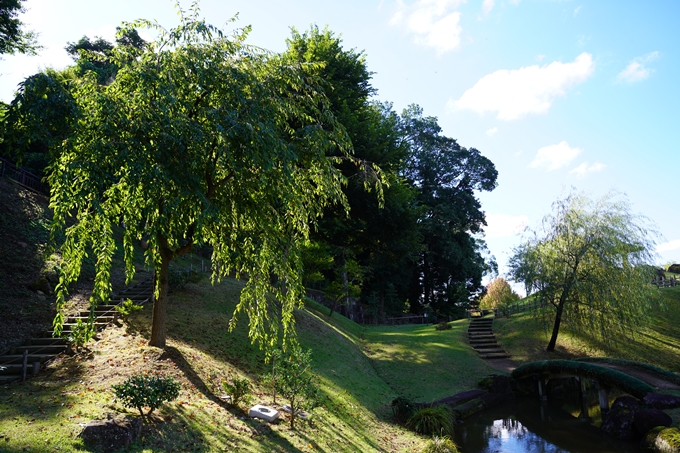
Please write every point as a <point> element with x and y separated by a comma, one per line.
<point>259,431</point>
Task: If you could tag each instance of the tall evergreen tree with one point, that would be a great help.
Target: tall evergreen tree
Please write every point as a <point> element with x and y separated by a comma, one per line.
<point>446,176</point>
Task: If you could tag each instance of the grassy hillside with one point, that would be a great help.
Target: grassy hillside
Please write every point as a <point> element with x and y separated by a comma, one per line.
<point>425,364</point>
<point>50,409</point>
<point>525,338</point>
<point>23,234</point>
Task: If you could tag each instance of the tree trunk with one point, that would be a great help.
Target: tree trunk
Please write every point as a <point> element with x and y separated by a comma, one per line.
<point>560,306</point>
<point>160,305</point>
<point>556,327</point>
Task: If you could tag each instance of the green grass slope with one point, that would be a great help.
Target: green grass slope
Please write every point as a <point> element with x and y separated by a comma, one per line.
<point>425,364</point>
<point>49,410</point>
<point>525,338</point>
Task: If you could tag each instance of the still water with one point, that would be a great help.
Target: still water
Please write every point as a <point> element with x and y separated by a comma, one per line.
<point>524,426</point>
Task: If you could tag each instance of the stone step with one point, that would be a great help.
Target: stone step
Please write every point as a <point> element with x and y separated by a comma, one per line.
<point>43,349</point>
<point>476,344</point>
<point>17,370</point>
<point>98,319</point>
<point>12,369</point>
<point>19,358</point>
<point>97,323</point>
<point>47,340</point>
<point>482,331</point>
<point>489,350</point>
<point>97,314</point>
<point>494,355</point>
<point>481,321</point>
<point>479,336</point>
<point>133,298</point>
<point>9,378</point>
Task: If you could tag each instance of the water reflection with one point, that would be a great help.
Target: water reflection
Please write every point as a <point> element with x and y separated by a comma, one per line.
<point>535,428</point>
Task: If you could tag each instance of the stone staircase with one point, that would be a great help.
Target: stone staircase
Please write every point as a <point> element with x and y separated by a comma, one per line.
<point>482,339</point>
<point>32,355</point>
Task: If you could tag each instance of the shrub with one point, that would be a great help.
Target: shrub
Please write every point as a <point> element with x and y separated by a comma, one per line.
<point>442,444</point>
<point>402,409</point>
<point>238,390</point>
<point>81,333</point>
<point>443,326</point>
<point>127,308</point>
<point>432,421</point>
<point>293,379</point>
<point>178,278</point>
<point>141,391</point>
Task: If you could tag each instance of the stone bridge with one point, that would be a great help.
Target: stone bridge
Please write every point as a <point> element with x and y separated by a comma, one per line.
<point>603,378</point>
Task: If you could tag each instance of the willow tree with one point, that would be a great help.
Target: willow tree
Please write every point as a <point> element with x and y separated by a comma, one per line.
<point>588,263</point>
<point>200,139</point>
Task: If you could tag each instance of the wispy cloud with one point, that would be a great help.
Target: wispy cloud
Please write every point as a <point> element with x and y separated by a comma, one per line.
<point>636,70</point>
<point>491,132</point>
<point>516,93</point>
<point>576,11</point>
<point>434,23</point>
<point>487,6</point>
<point>501,225</point>
<point>668,246</point>
<point>556,156</point>
<point>585,169</point>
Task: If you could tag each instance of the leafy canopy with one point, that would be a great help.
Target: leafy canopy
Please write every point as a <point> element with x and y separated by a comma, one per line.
<point>199,139</point>
<point>13,38</point>
<point>588,264</point>
<point>498,294</point>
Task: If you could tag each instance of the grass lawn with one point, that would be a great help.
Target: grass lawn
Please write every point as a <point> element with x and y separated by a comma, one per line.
<point>658,344</point>
<point>425,364</point>
<point>47,412</point>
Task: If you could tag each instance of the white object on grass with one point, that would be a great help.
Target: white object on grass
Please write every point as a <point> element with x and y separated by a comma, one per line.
<point>263,412</point>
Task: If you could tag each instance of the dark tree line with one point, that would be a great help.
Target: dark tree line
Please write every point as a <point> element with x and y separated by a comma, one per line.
<point>412,248</point>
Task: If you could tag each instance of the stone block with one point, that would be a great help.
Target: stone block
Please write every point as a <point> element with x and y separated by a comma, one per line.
<point>265,413</point>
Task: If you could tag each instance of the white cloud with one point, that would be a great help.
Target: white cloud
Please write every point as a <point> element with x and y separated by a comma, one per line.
<point>434,23</point>
<point>668,246</point>
<point>487,6</point>
<point>636,70</point>
<point>491,132</point>
<point>584,169</point>
<point>540,57</point>
<point>519,92</point>
<point>501,225</point>
<point>578,8</point>
<point>515,2</point>
<point>553,157</point>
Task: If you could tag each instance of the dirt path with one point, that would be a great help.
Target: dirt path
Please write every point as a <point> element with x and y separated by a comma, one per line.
<point>504,365</point>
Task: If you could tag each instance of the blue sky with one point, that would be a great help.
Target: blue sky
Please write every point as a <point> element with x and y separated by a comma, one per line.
<point>558,94</point>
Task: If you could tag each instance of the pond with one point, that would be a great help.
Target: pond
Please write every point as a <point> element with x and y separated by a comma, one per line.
<point>526,425</point>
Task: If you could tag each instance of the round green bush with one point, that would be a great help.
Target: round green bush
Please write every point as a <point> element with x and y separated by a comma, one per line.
<point>432,421</point>
<point>442,444</point>
<point>141,391</point>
